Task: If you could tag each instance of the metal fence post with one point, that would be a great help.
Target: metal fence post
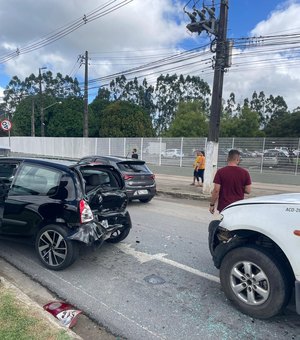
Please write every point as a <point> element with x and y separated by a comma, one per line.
<point>232,144</point>
<point>141,152</point>
<point>124,147</point>
<point>297,159</point>
<point>159,159</point>
<point>109,145</point>
<point>262,155</point>
<point>181,148</point>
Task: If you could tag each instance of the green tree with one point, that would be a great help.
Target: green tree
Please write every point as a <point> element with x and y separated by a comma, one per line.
<point>56,87</point>
<point>285,124</point>
<point>170,90</point>
<point>245,124</point>
<point>96,108</point>
<point>123,119</point>
<point>190,121</point>
<point>65,120</point>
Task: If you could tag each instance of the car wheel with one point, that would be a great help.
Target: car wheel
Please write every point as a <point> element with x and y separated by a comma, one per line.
<point>119,235</point>
<point>54,249</point>
<point>146,200</point>
<point>255,282</point>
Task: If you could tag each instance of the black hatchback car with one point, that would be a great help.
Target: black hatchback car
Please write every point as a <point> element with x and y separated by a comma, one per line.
<point>139,180</point>
<point>61,204</point>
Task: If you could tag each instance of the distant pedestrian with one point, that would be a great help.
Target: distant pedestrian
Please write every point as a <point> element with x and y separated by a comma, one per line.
<point>230,183</point>
<point>201,167</point>
<point>134,154</point>
<point>196,167</point>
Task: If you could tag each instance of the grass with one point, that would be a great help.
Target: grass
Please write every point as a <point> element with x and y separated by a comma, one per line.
<point>18,321</point>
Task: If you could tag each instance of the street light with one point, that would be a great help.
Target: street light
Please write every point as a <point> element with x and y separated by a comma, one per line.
<point>42,110</point>
<point>42,115</point>
<point>47,107</point>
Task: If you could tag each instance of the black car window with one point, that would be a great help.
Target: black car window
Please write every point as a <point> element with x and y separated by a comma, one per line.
<point>133,167</point>
<point>35,180</point>
<point>7,171</point>
<point>95,178</point>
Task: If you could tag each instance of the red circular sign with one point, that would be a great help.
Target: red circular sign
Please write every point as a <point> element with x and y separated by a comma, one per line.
<point>6,125</point>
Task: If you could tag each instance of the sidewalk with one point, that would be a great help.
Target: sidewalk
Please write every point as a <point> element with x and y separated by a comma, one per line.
<point>179,187</point>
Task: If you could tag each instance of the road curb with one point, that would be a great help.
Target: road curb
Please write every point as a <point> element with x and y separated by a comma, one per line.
<point>183,195</point>
<point>24,298</point>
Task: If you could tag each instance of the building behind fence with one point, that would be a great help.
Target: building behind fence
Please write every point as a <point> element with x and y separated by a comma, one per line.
<point>258,154</point>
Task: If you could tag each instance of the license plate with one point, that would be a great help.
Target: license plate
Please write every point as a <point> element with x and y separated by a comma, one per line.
<point>140,192</point>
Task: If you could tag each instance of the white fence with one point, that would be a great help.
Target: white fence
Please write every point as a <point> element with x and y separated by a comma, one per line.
<point>257,153</point>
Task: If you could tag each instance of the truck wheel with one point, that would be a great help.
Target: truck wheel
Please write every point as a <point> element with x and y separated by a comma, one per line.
<point>54,249</point>
<point>255,282</point>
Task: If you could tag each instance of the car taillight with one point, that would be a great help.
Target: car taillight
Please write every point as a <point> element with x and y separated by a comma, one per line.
<point>153,176</point>
<point>86,214</point>
<point>127,177</point>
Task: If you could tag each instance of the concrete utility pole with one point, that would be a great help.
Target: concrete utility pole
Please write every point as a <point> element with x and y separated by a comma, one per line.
<point>86,107</point>
<point>216,104</point>
<point>218,28</point>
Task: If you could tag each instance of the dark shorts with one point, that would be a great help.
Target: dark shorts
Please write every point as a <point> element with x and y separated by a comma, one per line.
<point>201,174</point>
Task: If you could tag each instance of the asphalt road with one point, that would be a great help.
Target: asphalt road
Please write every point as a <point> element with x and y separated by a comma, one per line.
<point>159,283</point>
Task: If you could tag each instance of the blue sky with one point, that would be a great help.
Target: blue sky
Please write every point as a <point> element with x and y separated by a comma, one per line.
<point>243,15</point>
<point>140,30</point>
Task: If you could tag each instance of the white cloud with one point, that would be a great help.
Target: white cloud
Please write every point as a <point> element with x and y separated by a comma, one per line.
<point>280,76</point>
<point>141,25</point>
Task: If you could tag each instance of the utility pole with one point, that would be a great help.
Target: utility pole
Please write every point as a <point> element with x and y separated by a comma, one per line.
<point>32,118</point>
<point>42,103</point>
<point>86,107</point>
<point>218,28</point>
<point>222,58</point>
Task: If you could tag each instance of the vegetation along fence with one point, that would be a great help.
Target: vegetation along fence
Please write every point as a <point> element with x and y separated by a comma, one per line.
<point>258,154</point>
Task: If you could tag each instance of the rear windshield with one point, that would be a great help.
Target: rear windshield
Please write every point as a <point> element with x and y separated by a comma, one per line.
<point>134,167</point>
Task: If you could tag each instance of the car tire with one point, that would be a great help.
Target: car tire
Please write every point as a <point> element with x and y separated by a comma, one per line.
<point>145,200</point>
<point>54,249</point>
<point>261,298</point>
<point>119,235</point>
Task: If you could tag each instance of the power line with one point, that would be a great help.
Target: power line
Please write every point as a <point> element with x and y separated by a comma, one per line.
<point>66,30</point>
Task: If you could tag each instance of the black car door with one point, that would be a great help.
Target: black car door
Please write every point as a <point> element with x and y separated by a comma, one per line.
<point>26,195</point>
<point>7,171</point>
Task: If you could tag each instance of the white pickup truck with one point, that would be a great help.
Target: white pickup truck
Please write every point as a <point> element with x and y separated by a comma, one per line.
<point>256,246</point>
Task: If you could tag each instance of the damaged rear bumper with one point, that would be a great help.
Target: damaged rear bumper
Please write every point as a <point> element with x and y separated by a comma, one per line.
<point>99,231</point>
<point>89,233</point>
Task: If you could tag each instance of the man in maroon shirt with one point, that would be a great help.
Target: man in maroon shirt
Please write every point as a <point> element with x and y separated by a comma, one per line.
<point>230,183</point>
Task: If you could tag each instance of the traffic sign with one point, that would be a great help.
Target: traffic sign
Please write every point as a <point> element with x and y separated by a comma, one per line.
<point>6,125</point>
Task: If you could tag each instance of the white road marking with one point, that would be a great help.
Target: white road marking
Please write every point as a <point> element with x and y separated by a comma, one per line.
<point>144,257</point>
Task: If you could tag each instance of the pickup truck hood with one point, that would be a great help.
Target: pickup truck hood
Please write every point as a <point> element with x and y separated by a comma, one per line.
<point>291,198</point>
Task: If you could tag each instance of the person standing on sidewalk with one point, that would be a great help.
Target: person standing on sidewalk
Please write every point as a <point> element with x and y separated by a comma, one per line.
<point>201,167</point>
<point>134,154</point>
<point>230,183</point>
<point>196,166</point>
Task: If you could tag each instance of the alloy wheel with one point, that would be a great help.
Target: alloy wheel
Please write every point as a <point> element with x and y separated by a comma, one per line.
<point>52,248</point>
<point>249,283</point>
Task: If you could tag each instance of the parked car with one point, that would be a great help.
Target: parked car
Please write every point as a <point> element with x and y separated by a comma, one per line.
<point>60,204</point>
<point>172,153</point>
<point>139,179</point>
<point>256,245</point>
<point>274,157</point>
